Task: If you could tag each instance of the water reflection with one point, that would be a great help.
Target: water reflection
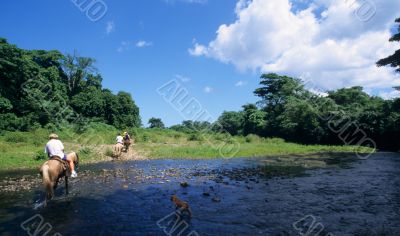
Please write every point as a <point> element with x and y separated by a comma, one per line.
<point>227,197</point>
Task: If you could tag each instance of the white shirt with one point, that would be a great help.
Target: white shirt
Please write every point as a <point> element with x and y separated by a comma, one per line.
<point>54,147</point>
<point>119,139</point>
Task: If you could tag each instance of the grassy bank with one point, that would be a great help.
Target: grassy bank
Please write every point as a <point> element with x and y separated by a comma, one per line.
<point>26,149</point>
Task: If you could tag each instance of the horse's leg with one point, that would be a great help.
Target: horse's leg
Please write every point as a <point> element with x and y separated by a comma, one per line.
<point>50,191</point>
<point>66,185</point>
<point>55,185</point>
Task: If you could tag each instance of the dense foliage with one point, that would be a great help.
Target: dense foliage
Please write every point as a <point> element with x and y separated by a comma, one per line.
<point>46,88</point>
<point>156,123</point>
<point>288,110</point>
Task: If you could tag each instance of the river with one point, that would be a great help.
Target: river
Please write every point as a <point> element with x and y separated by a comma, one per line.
<point>241,196</point>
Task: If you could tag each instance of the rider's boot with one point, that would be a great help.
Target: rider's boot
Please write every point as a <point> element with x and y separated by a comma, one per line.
<point>74,174</point>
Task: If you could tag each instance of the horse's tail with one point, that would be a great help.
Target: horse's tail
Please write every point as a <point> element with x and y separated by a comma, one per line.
<point>47,182</point>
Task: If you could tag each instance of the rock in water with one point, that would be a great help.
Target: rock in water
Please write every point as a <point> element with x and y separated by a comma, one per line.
<point>216,199</point>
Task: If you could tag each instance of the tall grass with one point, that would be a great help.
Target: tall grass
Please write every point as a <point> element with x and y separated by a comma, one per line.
<point>25,149</point>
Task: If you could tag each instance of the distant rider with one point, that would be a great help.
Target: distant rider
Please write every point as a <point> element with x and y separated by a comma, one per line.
<point>55,148</point>
<point>127,137</point>
<point>119,139</point>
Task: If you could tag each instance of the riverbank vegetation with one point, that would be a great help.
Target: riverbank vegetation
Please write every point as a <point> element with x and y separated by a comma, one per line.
<point>26,149</point>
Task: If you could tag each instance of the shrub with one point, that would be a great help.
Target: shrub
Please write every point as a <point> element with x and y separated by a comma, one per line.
<point>155,139</point>
<point>143,138</point>
<point>109,152</point>
<point>195,137</point>
<point>134,133</point>
<point>252,138</point>
<point>50,127</point>
<point>15,138</point>
<point>37,142</point>
<point>177,135</point>
<point>222,136</point>
<point>232,140</point>
<point>40,155</point>
<point>275,140</point>
<point>10,122</point>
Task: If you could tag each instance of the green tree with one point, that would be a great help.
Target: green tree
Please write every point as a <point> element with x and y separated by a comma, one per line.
<point>89,102</point>
<point>350,97</point>
<point>127,112</point>
<point>111,107</point>
<point>253,120</point>
<point>46,87</point>
<point>76,70</point>
<point>300,122</point>
<point>393,60</point>
<point>5,105</point>
<point>276,90</point>
<point>156,123</point>
<point>232,121</point>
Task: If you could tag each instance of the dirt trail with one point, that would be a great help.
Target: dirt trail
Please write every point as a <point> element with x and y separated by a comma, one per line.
<point>131,155</point>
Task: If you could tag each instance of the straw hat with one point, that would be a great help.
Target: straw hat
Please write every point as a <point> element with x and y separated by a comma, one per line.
<point>53,136</point>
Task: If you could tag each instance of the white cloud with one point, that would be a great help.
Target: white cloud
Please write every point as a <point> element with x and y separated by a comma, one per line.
<point>110,27</point>
<point>142,44</point>
<point>338,48</point>
<point>128,45</point>
<point>389,94</point>
<point>198,50</point>
<point>124,46</point>
<point>208,89</point>
<point>240,83</point>
<point>182,78</point>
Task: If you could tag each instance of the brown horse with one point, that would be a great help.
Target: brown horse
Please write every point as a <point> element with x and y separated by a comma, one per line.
<point>118,150</point>
<point>127,143</point>
<point>54,169</point>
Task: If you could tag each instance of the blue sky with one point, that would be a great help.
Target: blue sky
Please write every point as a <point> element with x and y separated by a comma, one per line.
<point>170,27</point>
<point>141,45</point>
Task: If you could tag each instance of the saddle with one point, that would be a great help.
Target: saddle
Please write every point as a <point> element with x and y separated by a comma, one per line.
<point>64,164</point>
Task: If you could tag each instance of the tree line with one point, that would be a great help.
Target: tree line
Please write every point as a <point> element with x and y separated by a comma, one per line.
<point>288,110</point>
<point>345,116</point>
<point>41,88</point>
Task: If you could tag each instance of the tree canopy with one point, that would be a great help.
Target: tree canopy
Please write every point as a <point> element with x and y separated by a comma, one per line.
<point>156,123</point>
<point>288,110</point>
<point>39,88</point>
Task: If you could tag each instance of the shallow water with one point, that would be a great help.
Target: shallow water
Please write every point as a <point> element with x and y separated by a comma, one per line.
<point>227,197</point>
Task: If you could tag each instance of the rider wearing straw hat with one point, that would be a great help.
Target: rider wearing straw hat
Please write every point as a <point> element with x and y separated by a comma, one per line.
<point>55,148</point>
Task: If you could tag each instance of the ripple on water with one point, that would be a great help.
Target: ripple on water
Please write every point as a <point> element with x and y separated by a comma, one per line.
<point>227,197</point>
